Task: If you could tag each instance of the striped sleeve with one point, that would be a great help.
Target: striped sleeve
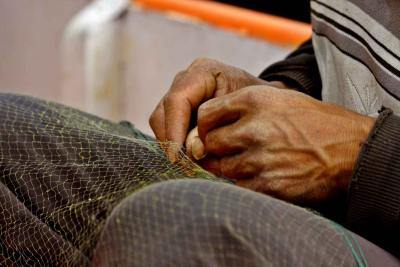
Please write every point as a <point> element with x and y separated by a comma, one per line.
<point>299,70</point>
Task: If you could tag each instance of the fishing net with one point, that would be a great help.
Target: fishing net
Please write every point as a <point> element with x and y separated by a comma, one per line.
<point>62,173</point>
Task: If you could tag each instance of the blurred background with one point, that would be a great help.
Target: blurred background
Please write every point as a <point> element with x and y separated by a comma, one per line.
<point>117,58</point>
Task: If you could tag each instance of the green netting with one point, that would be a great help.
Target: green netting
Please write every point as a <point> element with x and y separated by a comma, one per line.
<point>62,173</point>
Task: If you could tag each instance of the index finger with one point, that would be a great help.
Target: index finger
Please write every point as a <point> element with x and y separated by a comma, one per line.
<point>185,95</point>
<point>157,121</point>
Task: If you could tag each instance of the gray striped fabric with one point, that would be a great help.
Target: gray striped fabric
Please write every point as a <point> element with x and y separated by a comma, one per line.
<point>358,53</point>
<point>200,223</point>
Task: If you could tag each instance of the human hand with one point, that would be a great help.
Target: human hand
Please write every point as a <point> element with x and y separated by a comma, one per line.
<point>282,142</point>
<point>203,80</point>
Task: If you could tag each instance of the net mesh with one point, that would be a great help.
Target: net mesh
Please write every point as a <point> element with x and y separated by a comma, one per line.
<point>62,173</point>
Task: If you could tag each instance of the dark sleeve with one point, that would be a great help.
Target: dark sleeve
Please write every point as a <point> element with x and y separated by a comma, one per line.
<point>374,193</point>
<point>299,70</point>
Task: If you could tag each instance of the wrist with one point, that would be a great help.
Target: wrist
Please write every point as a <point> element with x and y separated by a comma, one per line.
<point>361,134</point>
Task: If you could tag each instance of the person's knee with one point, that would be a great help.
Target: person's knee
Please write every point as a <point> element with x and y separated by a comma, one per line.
<point>202,223</point>
<point>158,219</point>
<point>168,196</point>
<point>182,223</point>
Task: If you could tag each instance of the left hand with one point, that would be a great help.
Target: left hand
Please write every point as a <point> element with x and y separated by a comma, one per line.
<point>282,142</point>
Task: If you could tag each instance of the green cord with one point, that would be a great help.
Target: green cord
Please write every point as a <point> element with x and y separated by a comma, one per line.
<point>357,252</point>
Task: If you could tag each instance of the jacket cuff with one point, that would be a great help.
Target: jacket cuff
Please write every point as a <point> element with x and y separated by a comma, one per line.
<point>299,72</point>
<point>374,193</point>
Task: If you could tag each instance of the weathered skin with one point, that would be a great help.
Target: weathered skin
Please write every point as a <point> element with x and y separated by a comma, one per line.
<point>261,134</point>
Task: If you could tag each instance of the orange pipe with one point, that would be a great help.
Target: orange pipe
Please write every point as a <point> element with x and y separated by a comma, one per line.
<point>268,27</point>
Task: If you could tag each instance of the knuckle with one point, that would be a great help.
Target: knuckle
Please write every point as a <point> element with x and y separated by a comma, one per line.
<point>201,112</point>
<point>211,143</point>
<point>200,61</point>
<point>217,144</point>
<point>204,65</point>
<point>236,168</point>
<point>153,120</point>
<point>157,115</point>
<point>180,74</point>
<point>249,137</point>
<point>252,96</point>
<point>171,99</point>
<point>178,77</point>
<point>274,186</point>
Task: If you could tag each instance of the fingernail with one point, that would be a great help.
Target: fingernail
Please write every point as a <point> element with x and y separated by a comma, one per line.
<point>198,149</point>
<point>173,152</point>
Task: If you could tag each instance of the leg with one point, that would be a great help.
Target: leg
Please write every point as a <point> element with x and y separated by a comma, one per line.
<point>62,173</point>
<point>201,223</point>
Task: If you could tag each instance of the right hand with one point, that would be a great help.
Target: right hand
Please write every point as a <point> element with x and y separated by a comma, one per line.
<point>203,80</point>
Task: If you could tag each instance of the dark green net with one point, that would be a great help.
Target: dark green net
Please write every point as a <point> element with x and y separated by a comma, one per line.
<point>62,173</point>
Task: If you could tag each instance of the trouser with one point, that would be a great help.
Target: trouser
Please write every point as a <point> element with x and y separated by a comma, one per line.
<point>67,177</point>
<point>203,223</point>
<point>62,171</point>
